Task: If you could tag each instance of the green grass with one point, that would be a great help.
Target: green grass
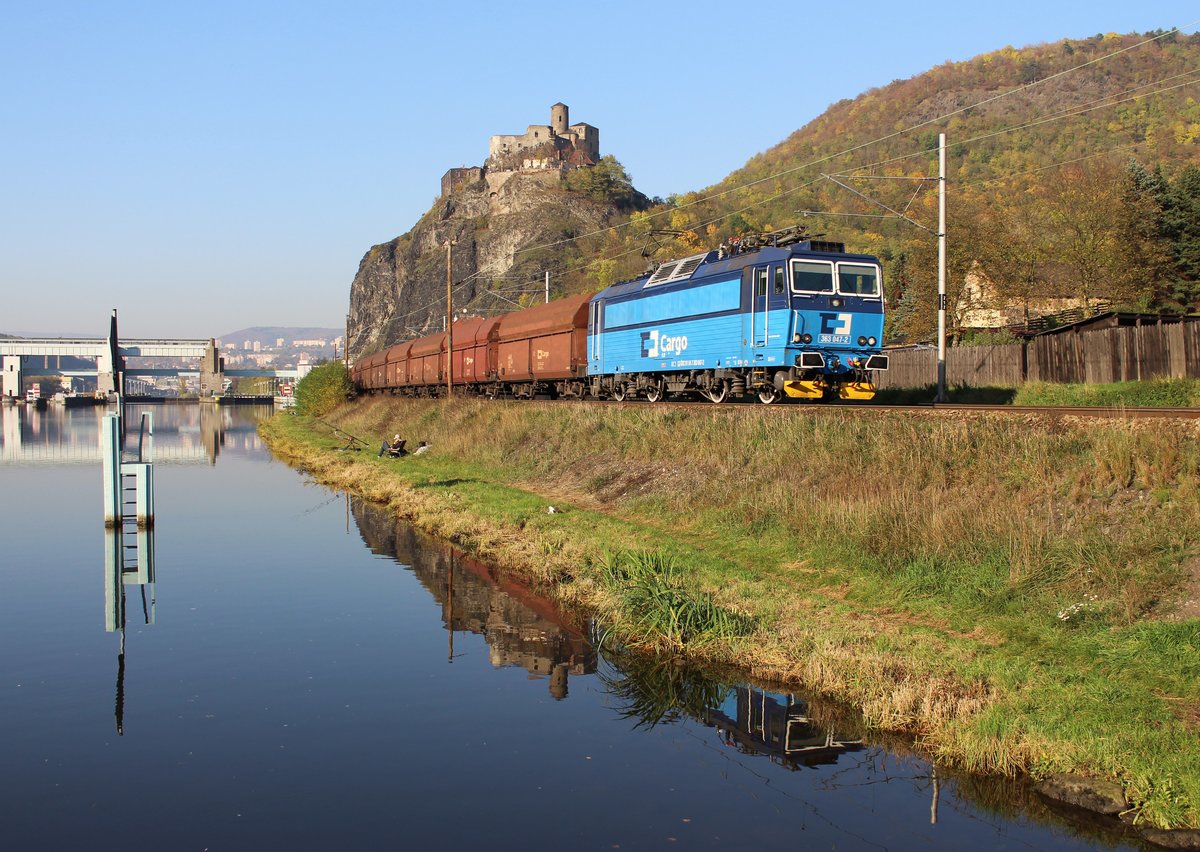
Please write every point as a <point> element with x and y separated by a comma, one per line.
<point>1157,393</point>
<point>1165,393</point>
<point>659,610</point>
<point>998,587</point>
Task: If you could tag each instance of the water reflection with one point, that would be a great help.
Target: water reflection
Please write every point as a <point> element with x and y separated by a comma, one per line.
<point>128,561</point>
<point>778,726</point>
<point>520,628</point>
<point>524,629</point>
<point>747,721</point>
<point>185,433</point>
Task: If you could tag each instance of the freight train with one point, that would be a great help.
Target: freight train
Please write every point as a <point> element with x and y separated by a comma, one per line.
<point>773,316</point>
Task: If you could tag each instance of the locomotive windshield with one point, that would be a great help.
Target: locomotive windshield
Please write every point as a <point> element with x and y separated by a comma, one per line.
<point>812,276</point>
<point>856,279</point>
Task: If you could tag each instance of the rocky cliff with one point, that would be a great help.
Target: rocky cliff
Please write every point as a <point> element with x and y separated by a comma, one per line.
<point>504,236</point>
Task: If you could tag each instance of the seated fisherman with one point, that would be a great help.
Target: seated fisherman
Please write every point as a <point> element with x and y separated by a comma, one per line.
<point>421,448</point>
<point>395,449</point>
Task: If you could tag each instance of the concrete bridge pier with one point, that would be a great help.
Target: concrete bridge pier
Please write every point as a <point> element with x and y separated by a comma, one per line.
<point>212,372</point>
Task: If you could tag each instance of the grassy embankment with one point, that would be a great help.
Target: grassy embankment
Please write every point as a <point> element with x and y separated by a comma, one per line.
<point>1164,393</point>
<point>1011,590</point>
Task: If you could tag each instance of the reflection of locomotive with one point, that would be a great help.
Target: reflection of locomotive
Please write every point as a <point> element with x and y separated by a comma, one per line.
<point>777,726</point>
<point>775,316</point>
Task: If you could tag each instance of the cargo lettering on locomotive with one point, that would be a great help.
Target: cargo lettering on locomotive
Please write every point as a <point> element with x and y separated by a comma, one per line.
<point>657,345</point>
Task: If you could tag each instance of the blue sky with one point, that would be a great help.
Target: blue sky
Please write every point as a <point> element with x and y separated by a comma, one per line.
<point>205,167</point>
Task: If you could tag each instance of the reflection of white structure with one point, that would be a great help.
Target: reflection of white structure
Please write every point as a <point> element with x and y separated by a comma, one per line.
<point>57,436</point>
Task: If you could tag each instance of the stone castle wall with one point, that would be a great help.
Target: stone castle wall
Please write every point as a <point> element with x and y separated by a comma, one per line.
<point>555,147</point>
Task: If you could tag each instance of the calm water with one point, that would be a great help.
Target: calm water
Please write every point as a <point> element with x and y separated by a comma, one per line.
<point>315,675</point>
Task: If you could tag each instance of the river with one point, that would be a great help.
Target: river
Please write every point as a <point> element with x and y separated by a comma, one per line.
<point>305,672</point>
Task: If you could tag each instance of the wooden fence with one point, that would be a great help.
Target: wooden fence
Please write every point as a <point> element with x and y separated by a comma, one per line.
<point>1121,354</point>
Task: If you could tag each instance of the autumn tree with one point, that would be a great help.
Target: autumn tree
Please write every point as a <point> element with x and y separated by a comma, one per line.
<point>1101,250</point>
<point>1011,246</point>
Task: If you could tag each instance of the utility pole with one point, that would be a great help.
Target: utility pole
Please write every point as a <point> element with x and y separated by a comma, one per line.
<point>547,286</point>
<point>941,356</point>
<point>449,319</point>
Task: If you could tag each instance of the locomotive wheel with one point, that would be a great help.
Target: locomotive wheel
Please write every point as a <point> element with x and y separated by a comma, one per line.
<point>654,393</point>
<point>618,392</point>
<point>768,395</point>
<point>717,394</point>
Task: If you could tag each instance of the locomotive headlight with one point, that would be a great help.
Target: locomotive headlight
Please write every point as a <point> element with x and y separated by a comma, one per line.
<point>806,338</point>
<point>862,341</point>
<point>836,302</point>
<point>871,341</point>
<point>795,338</point>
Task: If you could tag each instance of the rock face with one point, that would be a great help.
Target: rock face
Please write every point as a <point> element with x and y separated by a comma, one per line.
<point>399,291</point>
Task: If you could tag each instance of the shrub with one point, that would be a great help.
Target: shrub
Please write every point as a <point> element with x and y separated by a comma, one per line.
<point>323,389</point>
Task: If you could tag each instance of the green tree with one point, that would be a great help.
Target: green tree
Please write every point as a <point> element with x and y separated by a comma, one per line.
<point>606,182</point>
<point>1181,230</point>
<point>323,389</point>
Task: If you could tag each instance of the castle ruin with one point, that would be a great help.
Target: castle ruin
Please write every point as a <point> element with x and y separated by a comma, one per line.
<point>551,149</point>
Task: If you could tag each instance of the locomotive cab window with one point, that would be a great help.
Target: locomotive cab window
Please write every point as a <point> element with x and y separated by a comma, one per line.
<point>778,286</point>
<point>858,279</point>
<point>812,276</point>
<point>760,282</point>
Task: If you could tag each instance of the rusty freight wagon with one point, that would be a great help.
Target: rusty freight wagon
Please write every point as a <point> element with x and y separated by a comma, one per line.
<point>543,349</point>
<point>397,358</point>
<point>474,356</point>
<point>425,361</point>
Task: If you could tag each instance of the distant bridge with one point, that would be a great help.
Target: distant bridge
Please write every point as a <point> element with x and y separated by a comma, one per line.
<point>110,356</point>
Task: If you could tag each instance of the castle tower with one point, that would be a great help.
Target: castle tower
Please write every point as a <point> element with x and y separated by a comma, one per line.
<point>558,118</point>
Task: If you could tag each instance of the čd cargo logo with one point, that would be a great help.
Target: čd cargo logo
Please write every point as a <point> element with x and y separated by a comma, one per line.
<point>835,328</point>
<point>655,345</point>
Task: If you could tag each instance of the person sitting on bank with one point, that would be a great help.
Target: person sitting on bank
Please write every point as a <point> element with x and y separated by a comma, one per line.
<point>421,448</point>
<point>395,449</point>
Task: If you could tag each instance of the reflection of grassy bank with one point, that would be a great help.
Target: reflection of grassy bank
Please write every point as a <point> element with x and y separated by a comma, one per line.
<point>1002,587</point>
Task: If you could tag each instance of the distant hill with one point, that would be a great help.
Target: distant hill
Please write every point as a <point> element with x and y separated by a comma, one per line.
<point>268,334</point>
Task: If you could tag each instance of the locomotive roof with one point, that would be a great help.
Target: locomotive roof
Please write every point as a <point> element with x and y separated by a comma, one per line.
<point>710,266</point>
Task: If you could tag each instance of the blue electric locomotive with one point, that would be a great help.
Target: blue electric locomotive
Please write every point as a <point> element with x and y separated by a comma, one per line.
<point>772,316</point>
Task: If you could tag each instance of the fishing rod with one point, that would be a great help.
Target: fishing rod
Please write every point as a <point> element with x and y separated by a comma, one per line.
<point>340,432</point>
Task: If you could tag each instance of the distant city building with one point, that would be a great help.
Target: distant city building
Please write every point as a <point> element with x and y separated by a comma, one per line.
<point>278,342</point>
<point>246,346</point>
<point>320,343</point>
<point>257,346</point>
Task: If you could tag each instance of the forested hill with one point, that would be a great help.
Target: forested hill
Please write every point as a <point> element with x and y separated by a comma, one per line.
<point>1009,112</point>
<point>1049,121</point>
